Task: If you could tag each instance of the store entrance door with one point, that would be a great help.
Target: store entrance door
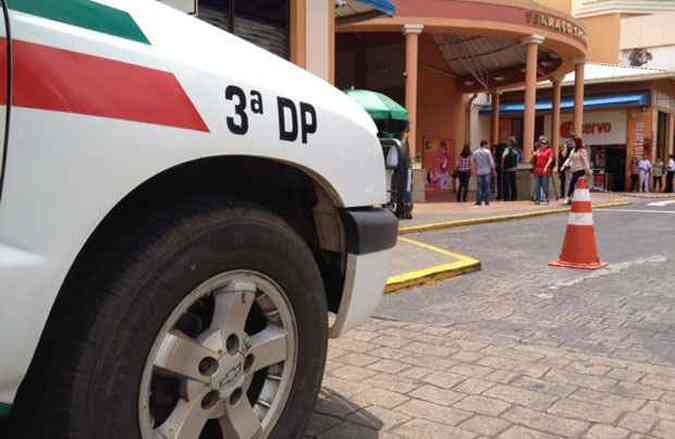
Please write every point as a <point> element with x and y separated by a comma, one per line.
<point>615,167</point>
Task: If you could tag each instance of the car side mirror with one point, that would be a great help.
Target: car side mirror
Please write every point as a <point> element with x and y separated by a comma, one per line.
<point>393,157</point>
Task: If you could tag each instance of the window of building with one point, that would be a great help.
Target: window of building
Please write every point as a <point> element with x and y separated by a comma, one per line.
<point>265,23</point>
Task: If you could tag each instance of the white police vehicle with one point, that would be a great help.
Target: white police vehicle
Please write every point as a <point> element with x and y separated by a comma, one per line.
<point>175,228</point>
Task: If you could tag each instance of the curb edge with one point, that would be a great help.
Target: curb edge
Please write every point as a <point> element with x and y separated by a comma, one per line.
<point>463,265</point>
<point>498,219</point>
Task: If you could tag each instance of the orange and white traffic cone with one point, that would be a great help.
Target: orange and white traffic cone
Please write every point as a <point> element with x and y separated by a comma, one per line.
<point>580,249</point>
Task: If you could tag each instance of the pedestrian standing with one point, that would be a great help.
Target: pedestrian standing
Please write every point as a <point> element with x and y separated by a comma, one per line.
<point>670,174</point>
<point>464,173</point>
<point>579,166</point>
<point>634,175</point>
<point>499,152</point>
<point>509,160</point>
<point>658,175</point>
<point>542,164</point>
<point>516,147</point>
<point>533,179</point>
<point>484,168</point>
<point>645,168</point>
<point>564,168</point>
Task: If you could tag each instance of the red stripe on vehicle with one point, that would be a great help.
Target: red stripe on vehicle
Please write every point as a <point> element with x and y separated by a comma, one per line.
<point>52,79</point>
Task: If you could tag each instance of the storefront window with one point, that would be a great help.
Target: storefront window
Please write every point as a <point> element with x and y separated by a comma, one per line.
<point>262,22</point>
<point>216,12</point>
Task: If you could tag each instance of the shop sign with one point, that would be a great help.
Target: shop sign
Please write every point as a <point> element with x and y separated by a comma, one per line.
<point>589,129</point>
<point>600,128</point>
<point>557,24</point>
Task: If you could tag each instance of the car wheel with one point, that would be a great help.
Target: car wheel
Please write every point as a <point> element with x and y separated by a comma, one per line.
<point>214,327</point>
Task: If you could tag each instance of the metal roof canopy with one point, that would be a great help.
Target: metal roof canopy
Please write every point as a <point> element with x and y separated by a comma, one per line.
<point>351,11</point>
<point>487,61</point>
<point>598,73</point>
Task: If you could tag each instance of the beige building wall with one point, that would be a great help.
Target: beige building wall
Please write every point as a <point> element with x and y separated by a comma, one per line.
<point>320,32</point>
<point>604,31</point>
<point>648,30</point>
<point>313,36</point>
<point>604,35</point>
<point>564,6</point>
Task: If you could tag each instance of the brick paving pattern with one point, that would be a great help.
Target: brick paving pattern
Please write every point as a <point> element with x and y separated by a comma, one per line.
<point>518,350</point>
<point>395,380</point>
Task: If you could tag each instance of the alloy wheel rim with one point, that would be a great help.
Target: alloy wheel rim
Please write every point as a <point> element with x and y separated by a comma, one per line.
<point>223,362</point>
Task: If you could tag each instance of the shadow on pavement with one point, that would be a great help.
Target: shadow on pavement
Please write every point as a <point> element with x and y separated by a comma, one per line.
<point>337,417</point>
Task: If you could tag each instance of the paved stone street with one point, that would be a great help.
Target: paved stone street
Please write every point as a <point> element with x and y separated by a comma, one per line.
<point>519,350</point>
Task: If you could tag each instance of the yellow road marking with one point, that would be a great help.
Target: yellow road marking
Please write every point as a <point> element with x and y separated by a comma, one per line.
<point>463,264</point>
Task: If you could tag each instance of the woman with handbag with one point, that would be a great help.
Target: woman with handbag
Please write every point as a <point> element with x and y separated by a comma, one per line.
<point>579,166</point>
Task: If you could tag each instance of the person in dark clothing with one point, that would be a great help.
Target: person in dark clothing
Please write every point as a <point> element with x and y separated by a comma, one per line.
<point>464,172</point>
<point>509,162</point>
<point>670,173</point>
<point>634,175</point>
<point>499,152</point>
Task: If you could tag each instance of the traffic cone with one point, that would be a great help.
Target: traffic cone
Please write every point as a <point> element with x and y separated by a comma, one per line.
<point>580,249</point>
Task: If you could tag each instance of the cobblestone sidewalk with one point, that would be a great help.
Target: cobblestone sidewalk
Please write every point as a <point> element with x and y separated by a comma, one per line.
<point>395,380</point>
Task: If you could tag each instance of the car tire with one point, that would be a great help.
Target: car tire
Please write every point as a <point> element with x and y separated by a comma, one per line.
<point>104,349</point>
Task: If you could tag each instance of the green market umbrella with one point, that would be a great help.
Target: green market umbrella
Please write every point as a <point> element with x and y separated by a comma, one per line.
<point>380,107</point>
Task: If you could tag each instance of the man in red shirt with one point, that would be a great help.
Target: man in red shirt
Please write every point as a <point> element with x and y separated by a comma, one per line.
<point>543,159</point>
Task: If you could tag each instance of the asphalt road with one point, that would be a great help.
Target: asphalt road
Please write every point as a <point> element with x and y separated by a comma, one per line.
<point>625,311</point>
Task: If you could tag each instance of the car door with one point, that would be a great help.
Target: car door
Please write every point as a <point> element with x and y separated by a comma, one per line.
<point>5,95</point>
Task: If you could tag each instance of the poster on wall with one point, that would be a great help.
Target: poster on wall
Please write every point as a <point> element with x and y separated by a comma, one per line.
<point>437,164</point>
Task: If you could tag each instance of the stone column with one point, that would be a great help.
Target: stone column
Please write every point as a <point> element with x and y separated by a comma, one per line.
<point>555,116</point>
<point>532,43</point>
<point>496,104</point>
<point>412,33</point>
<point>579,97</point>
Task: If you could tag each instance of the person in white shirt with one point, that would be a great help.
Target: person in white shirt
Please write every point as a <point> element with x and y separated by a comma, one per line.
<point>579,166</point>
<point>670,173</point>
<point>484,168</point>
<point>645,167</point>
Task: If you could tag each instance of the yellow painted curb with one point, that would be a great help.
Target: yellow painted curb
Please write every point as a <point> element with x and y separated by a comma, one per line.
<point>464,264</point>
<point>497,219</point>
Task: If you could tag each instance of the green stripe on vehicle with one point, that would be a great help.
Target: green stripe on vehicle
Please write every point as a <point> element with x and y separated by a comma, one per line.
<point>4,409</point>
<point>85,14</point>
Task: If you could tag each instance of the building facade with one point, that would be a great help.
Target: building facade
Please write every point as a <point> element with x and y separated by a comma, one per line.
<point>637,33</point>
<point>437,56</point>
<point>629,113</point>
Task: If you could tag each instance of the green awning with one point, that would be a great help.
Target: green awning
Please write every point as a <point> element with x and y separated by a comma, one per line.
<point>378,105</point>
